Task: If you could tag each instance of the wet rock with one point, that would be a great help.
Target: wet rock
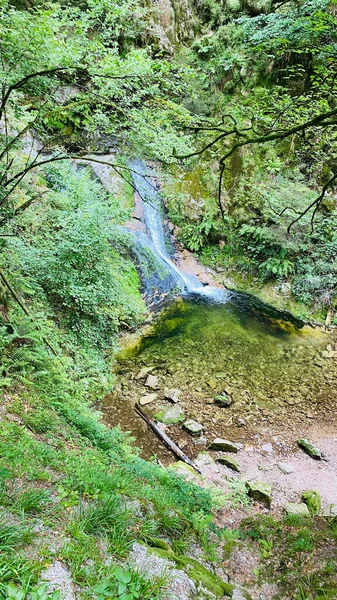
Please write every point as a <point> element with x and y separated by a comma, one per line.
<point>292,508</point>
<point>147,399</point>
<point>223,400</point>
<point>152,382</point>
<point>260,491</point>
<point>312,498</point>
<point>171,416</point>
<point>224,445</point>
<point>229,462</point>
<point>193,427</point>
<point>309,448</point>
<point>286,468</point>
<point>172,394</point>
<point>143,372</point>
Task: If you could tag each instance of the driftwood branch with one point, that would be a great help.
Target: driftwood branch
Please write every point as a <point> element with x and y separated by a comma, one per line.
<point>166,439</point>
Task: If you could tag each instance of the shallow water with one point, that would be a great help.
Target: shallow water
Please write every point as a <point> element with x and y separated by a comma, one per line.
<point>275,371</point>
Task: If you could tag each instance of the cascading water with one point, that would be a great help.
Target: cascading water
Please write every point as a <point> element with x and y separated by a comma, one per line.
<point>166,276</point>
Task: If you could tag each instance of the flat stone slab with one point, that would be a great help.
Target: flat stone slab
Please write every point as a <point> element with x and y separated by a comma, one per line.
<point>229,462</point>
<point>286,468</point>
<point>301,509</point>
<point>172,394</point>
<point>260,491</point>
<point>147,399</point>
<point>172,415</point>
<point>224,445</point>
<point>152,382</point>
<point>193,427</point>
<point>309,448</point>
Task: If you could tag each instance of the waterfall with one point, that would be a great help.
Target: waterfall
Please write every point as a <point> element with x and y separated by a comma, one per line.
<point>167,277</point>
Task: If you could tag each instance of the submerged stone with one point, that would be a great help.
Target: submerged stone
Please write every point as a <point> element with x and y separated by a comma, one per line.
<point>229,462</point>
<point>147,399</point>
<point>171,416</point>
<point>223,400</point>
<point>193,427</point>
<point>172,394</point>
<point>301,509</point>
<point>224,445</point>
<point>260,491</point>
<point>309,448</point>
<point>143,372</point>
<point>152,382</point>
<point>312,498</point>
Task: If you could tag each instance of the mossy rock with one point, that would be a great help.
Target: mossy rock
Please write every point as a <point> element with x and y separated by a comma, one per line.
<point>171,416</point>
<point>312,498</point>
<point>155,542</point>
<point>199,573</point>
<point>309,448</point>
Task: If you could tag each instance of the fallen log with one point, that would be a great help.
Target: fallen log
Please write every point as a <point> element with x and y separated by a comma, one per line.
<point>165,439</point>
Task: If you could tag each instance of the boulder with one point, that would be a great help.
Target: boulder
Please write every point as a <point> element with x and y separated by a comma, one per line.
<point>229,462</point>
<point>260,491</point>
<point>172,415</point>
<point>193,427</point>
<point>147,399</point>
<point>286,468</point>
<point>223,400</point>
<point>312,498</point>
<point>152,382</point>
<point>292,508</point>
<point>172,394</point>
<point>224,445</point>
<point>309,448</point>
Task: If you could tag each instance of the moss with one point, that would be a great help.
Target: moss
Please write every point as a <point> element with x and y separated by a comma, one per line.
<point>155,542</point>
<point>199,573</point>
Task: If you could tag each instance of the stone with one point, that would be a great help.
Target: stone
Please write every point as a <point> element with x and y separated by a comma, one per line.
<point>193,427</point>
<point>59,578</point>
<point>260,491</point>
<point>143,372</point>
<point>212,383</point>
<point>292,508</point>
<point>223,400</point>
<point>172,394</point>
<point>147,399</point>
<point>267,448</point>
<point>309,448</point>
<point>229,462</point>
<point>152,382</point>
<point>172,415</point>
<point>312,498</point>
<point>201,441</point>
<point>286,468</point>
<point>224,445</point>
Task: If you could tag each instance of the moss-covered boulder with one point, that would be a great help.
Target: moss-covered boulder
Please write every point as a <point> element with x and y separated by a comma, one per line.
<point>229,462</point>
<point>309,448</point>
<point>260,491</point>
<point>224,445</point>
<point>312,498</point>
<point>171,416</point>
<point>296,509</point>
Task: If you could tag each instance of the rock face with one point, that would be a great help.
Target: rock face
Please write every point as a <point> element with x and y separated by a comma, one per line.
<point>193,427</point>
<point>312,498</point>
<point>260,491</point>
<point>224,445</point>
<point>229,462</point>
<point>172,415</point>
<point>309,448</point>
<point>291,508</point>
